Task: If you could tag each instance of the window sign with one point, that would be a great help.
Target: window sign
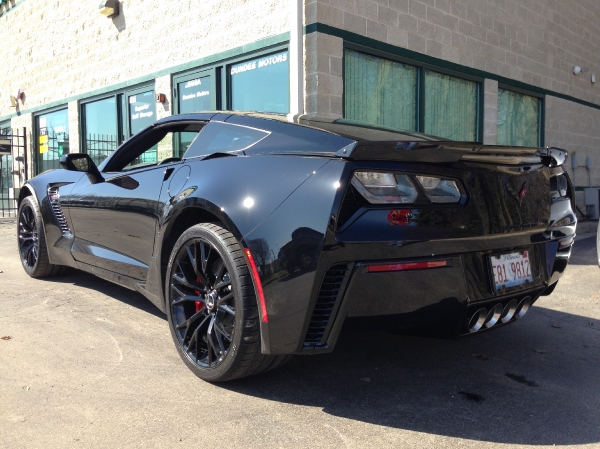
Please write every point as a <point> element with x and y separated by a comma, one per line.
<point>141,115</point>
<point>52,139</point>
<point>141,111</point>
<point>195,95</point>
<point>261,84</point>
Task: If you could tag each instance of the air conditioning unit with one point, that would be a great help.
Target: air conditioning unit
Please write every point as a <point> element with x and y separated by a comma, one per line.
<point>591,199</point>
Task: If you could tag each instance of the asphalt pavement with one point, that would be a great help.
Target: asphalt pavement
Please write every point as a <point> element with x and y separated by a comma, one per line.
<point>88,364</point>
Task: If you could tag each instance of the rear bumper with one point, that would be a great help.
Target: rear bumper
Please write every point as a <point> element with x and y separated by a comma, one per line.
<point>439,301</point>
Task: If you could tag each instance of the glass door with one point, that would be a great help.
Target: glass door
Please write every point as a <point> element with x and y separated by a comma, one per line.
<point>51,140</point>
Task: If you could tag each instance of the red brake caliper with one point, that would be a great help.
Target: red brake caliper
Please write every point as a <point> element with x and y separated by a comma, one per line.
<point>199,305</point>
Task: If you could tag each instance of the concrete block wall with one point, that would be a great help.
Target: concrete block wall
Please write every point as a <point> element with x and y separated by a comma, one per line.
<point>324,85</point>
<point>537,42</point>
<point>60,52</point>
<point>575,128</point>
<point>534,41</point>
<point>61,49</point>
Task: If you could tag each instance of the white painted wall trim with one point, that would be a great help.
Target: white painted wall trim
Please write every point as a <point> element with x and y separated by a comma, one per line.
<point>296,57</point>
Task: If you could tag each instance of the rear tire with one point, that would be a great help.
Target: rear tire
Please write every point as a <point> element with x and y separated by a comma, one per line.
<point>212,308</point>
<point>32,241</point>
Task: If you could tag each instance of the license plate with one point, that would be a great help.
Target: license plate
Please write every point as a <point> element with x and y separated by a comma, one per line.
<point>511,269</point>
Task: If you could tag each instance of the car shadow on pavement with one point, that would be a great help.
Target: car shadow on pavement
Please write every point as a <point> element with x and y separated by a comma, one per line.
<point>126,296</point>
<point>533,382</point>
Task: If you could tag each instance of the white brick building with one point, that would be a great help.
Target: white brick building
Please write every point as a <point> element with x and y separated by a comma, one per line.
<point>495,71</point>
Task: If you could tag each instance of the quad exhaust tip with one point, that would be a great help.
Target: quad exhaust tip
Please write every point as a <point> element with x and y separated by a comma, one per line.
<point>493,315</point>
<point>477,320</point>
<point>523,307</point>
<point>513,310</point>
<point>509,311</point>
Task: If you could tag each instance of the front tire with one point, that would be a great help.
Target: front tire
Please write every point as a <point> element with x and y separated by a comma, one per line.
<point>32,241</point>
<point>212,308</point>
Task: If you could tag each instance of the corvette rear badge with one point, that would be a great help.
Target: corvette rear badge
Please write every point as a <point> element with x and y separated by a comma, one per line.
<point>517,196</point>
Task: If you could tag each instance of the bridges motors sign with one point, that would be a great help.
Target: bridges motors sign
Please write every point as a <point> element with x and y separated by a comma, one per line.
<point>5,146</point>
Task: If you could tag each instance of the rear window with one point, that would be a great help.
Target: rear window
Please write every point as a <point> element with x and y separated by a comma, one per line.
<point>219,137</point>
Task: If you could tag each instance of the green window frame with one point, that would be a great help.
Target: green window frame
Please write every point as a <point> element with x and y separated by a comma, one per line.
<point>6,177</point>
<point>520,118</point>
<point>5,127</point>
<point>427,99</point>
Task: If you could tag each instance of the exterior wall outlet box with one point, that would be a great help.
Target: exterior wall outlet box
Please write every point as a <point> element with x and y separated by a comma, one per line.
<point>588,162</point>
<point>574,161</point>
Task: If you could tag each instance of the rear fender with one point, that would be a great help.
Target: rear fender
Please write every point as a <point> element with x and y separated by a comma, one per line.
<point>239,192</point>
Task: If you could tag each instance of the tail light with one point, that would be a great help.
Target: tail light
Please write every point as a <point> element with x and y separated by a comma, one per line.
<point>440,190</point>
<point>559,184</point>
<point>383,188</point>
<point>398,188</point>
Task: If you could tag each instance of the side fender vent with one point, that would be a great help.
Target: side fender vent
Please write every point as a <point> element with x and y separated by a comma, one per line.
<point>54,196</point>
<point>327,304</point>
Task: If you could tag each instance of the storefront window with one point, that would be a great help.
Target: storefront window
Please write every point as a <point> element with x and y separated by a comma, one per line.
<point>380,91</point>
<point>450,107</point>
<point>101,130</point>
<point>107,122</point>
<point>393,94</point>
<point>261,84</point>
<point>52,139</point>
<point>518,119</point>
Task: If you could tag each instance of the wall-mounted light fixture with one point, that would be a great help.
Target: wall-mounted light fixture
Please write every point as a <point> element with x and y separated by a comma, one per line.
<point>19,95</point>
<point>109,8</point>
<point>161,98</point>
<point>577,70</point>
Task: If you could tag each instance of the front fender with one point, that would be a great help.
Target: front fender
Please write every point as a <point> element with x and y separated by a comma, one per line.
<point>58,246</point>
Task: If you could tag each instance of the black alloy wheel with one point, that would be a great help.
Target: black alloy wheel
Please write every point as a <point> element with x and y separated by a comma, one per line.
<point>29,243</point>
<point>212,308</point>
<point>32,241</point>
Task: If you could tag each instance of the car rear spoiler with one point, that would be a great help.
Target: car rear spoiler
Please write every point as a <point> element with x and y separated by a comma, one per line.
<point>439,152</point>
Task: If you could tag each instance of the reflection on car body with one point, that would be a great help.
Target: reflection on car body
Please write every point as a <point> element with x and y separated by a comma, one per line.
<point>266,236</point>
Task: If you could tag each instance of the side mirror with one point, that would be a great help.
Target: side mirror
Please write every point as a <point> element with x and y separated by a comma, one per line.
<point>83,163</point>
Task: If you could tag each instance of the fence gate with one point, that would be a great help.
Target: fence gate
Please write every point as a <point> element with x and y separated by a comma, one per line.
<point>13,169</point>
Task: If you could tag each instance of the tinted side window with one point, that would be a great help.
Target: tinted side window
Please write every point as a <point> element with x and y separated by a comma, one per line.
<point>219,137</point>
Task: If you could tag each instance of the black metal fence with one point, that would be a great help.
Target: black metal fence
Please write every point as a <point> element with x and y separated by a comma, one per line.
<point>99,146</point>
<point>13,169</point>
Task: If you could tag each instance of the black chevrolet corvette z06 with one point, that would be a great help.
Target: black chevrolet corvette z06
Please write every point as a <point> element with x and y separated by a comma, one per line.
<point>271,233</point>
